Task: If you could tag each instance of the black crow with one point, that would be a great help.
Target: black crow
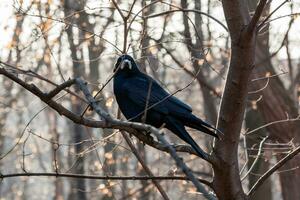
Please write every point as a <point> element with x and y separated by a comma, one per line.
<point>142,99</point>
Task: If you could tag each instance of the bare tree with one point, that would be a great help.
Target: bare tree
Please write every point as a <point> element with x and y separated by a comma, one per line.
<point>80,44</point>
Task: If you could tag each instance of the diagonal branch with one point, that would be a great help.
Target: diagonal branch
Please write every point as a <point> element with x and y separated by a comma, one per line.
<point>156,132</point>
<point>266,175</point>
<point>118,8</point>
<point>145,167</point>
<point>109,122</point>
<point>131,127</point>
<point>188,10</point>
<point>258,156</point>
<point>59,88</point>
<point>258,12</point>
<point>269,16</point>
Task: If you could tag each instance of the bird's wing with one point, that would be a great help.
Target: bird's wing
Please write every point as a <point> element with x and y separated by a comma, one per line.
<point>173,104</point>
<point>137,89</point>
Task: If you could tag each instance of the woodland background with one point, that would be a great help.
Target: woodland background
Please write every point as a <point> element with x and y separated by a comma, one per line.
<point>186,46</point>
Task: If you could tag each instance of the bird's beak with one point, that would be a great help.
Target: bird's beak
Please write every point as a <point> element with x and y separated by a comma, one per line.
<point>128,62</point>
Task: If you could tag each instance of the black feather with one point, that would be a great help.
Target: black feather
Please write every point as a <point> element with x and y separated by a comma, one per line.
<point>132,87</point>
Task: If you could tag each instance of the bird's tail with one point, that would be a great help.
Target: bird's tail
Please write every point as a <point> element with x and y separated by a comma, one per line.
<point>196,123</point>
<point>177,128</point>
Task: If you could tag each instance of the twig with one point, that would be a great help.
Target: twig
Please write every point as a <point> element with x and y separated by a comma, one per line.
<point>184,167</point>
<point>187,10</point>
<point>260,89</point>
<point>145,167</point>
<point>93,103</point>
<point>131,127</point>
<point>272,123</point>
<point>258,156</point>
<point>204,83</point>
<point>268,77</point>
<point>130,10</point>
<point>246,156</point>
<point>125,19</point>
<point>153,130</point>
<point>118,8</point>
<point>144,117</point>
<point>283,16</point>
<point>266,175</point>
<point>61,87</point>
<point>100,90</point>
<point>268,17</point>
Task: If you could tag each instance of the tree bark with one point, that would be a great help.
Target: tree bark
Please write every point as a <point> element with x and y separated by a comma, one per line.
<point>226,182</point>
<point>275,105</point>
<point>255,119</point>
<point>77,186</point>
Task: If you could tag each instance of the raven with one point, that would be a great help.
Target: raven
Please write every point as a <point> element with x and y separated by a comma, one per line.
<point>142,99</point>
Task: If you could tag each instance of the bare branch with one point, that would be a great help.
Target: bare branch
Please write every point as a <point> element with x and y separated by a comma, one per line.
<point>258,12</point>
<point>82,176</point>
<point>93,103</point>
<point>153,130</point>
<point>268,17</point>
<point>108,122</point>
<point>118,8</point>
<point>266,175</point>
<point>187,10</point>
<point>256,159</point>
<point>131,127</point>
<point>145,167</point>
<point>130,10</point>
<point>59,88</point>
<point>272,123</point>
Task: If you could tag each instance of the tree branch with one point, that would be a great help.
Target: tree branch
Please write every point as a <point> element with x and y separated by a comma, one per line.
<point>145,167</point>
<point>188,10</point>
<point>258,156</point>
<point>156,132</point>
<point>131,127</point>
<point>268,17</point>
<point>82,176</point>
<point>109,122</point>
<point>266,175</point>
<point>258,12</point>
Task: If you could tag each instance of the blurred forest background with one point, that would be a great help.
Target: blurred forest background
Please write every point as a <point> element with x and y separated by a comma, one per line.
<point>49,41</point>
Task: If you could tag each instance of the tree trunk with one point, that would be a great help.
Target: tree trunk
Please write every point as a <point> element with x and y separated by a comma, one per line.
<point>254,119</point>
<point>226,182</point>
<point>77,186</point>
<point>275,105</point>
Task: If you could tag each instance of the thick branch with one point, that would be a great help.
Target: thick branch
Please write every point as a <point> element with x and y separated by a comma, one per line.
<point>156,132</point>
<point>258,12</point>
<point>131,127</point>
<point>269,16</point>
<point>109,122</point>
